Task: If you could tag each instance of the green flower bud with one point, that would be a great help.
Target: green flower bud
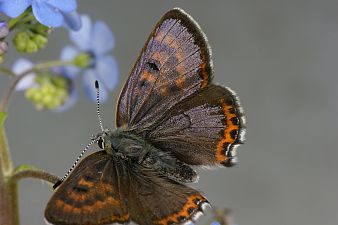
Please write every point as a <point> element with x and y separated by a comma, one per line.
<point>31,47</point>
<point>20,41</point>
<point>60,82</point>
<point>40,40</point>
<point>82,60</point>
<point>1,59</point>
<point>52,91</point>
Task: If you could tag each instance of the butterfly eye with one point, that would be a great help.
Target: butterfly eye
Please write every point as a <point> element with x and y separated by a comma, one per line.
<point>100,143</point>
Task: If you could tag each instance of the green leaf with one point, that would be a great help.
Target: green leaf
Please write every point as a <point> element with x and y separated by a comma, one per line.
<point>24,167</point>
<point>3,116</point>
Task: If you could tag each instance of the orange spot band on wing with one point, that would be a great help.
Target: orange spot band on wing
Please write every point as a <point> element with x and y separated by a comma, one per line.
<point>76,196</point>
<point>97,206</point>
<point>121,218</point>
<point>193,201</point>
<point>83,182</point>
<point>204,75</point>
<point>90,209</point>
<point>146,75</point>
<point>226,139</point>
<point>67,207</point>
<point>180,82</point>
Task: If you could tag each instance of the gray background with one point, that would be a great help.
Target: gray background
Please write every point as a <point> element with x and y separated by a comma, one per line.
<point>281,57</point>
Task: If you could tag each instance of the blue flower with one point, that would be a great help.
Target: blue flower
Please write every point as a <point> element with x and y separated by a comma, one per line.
<point>50,90</point>
<point>97,41</point>
<point>52,13</point>
<point>3,44</point>
<point>212,223</point>
<point>20,66</point>
<point>4,31</point>
<point>215,223</point>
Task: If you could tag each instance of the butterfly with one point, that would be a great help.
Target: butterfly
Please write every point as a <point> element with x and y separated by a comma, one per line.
<point>170,117</point>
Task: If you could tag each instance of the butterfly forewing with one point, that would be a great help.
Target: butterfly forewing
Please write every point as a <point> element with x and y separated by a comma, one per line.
<point>174,64</point>
<point>91,195</point>
<point>170,101</point>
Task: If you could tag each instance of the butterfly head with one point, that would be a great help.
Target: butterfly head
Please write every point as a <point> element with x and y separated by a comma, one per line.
<point>111,142</point>
<point>103,139</point>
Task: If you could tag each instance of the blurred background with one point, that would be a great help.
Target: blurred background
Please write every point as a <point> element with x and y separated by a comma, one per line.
<point>281,57</point>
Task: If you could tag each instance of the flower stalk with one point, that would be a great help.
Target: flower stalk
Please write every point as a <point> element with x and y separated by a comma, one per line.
<point>8,189</point>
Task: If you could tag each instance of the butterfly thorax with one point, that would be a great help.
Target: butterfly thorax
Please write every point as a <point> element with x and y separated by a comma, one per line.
<point>127,146</point>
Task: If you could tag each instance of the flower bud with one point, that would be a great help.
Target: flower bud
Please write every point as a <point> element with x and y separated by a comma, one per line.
<point>82,60</point>
<point>51,93</point>
<point>40,40</point>
<point>31,47</point>
<point>20,41</point>
<point>4,31</point>
<point>3,47</point>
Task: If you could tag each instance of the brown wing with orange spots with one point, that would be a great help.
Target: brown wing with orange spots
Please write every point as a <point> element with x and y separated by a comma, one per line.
<point>91,194</point>
<point>204,129</point>
<point>174,64</point>
<point>155,200</point>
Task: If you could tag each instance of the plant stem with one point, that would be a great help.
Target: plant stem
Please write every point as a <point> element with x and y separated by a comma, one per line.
<point>8,190</point>
<point>5,156</point>
<point>7,72</point>
<point>224,216</point>
<point>38,174</point>
<point>9,211</point>
<point>38,67</point>
<point>13,22</point>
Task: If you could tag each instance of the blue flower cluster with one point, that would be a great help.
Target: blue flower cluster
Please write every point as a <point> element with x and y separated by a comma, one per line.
<point>52,13</point>
<point>89,54</point>
<point>93,40</point>
<point>97,40</point>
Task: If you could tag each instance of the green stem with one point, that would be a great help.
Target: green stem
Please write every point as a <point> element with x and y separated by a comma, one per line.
<point>7,72</point>
<point>5,156</point>
<point>13,22</point>
<point>55,63</point>
<point>223,216</point>
<point>38,67</point>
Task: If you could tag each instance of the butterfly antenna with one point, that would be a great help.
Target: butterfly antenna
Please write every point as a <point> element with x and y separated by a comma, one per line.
<point>97,87</point>
<point>75,163</point>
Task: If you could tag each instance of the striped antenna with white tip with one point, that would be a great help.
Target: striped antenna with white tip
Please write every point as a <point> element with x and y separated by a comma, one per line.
<point>75,163</point>
<point>97,87</point>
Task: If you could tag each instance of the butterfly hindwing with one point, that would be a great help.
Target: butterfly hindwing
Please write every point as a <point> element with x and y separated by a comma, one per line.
<point>203,129</point>
<point>90,195</point>
<point>157,200</point>
<point>174,63</point>
<point>106,189</point>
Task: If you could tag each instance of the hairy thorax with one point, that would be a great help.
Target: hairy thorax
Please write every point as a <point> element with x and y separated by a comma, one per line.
<point>126,146</point>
